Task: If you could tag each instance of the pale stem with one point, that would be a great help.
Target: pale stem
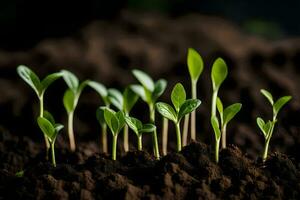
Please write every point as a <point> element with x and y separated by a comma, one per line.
<point>214,103</point>
<point>178,136</point>
<point>223,130</point>
<point>217,146</point>
<point>185,129</point>
<point>140,143</point>
<point>41,98</point>
<point>114,147</point>
<point>193,114</point>
<point>125,138</point>
<point>71,131</point>
<point>53,154</point>
<point>104,138</point>
<point>265,153</point>
<point>165,135</point>
<point>155,142</point>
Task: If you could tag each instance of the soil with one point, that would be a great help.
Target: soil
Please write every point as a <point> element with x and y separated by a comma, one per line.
<point>106,51</point>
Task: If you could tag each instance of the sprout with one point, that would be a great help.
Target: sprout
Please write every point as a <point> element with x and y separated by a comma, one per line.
<point>124,102</point>
<point>267,128</point>
<point>149,93</point>
<point>50,130</point>
<point>70,101</point>
<point>115,122</point>
<point>226,115</point>
<point>139,128</point>
<point>102,91</point>
<point>218,75</point>
<point>39,87</point>
<point>195,66</point>
<point>182,108</point>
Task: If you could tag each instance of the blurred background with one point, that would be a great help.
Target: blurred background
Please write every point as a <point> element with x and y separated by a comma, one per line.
<point>104,40</point>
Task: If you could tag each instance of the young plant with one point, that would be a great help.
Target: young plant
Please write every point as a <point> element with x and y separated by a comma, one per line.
<point>267,128</point>
<point>102,91</point>
<point>124,102</point>
<point>149,93</point>
<point>39,87</point>
<point>218,75</point>
<point>139,128</point>
<point>70,101</point>
<point>115,122</point>
<point>50,130</point>
<point>225,116</point>
<point>195,66</point>
<point>182,108</point>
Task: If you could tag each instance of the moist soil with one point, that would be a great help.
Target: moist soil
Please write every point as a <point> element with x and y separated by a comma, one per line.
<point>106,51</point>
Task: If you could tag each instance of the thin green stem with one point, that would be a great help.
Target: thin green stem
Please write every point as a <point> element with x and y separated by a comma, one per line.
<point>104,138</point>
<point>217,147</point>
<point>193,114</point>
<point>178,136</point>
<point>140,143</point>
<point>71,131</point>
<point>185,129</point>
<point>114,147</point>
<point>214,102</point>
<point>53,154</point>
<point>223,130</point>
<point>125,138</point>
<point>41,98</point>
<point>265,153</point>
<point>155,142</point>
<point>165,135</point>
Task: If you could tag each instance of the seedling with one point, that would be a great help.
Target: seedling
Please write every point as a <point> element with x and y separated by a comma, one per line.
<point>182,108</point>
<point>115,122</point>
<point>225,116</point>
<point>267,128</point>
<point>218,75</point>
<point>39,87</point>
<point>124,102</point>
<point>139,128</point>
<point>70,101</point>
<point>149,93</point>
<point>195,66</point>
<point>50,130</point>
<point>102,91</point>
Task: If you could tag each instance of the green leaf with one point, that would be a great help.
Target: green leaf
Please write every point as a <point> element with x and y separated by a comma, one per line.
<point>47,128</point>
<point>220,106</point>
<point>100,115</point>
<point>129,99</point>
<point>268,95</point>
<point>148,128</point>
<point>58,127</point>
<point>167,111</point>
<point>195,64</point>
<point>50,79</point>
<point>178,96</point>
<point>263,127</point>
<point>121,120</point>
<point>135,124</point>
<point>116,98</point>
<point>111,120</point>
<point>47,115</point>
<point>215,124</point>
<point>30,78</point>
<point>280,103</point>
<point>187,107</point>
<point>231,111</point>
<point>159,89</point>
<point>68,100</point>
<point>218,73</point>
<point>144,79</point>
<point>20,174</point>
<point>71,80</point>
<point>100,89</point>
<point>139,90</point>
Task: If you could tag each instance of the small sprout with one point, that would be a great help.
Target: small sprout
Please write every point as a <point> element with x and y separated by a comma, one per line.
<point>218,75</point>
<point>195,66</point>
<point>226,116</point>
<point>149,93</point>
<point>39,86</point>
<point>182,108</point>
<point>124,102</point>
<point>20,174</point>
<point>102,91</point>
<point>115,122</point>
<point>70,101</point>
<point>267,128</point>
<point>50,130</point>
<point>139,128</point>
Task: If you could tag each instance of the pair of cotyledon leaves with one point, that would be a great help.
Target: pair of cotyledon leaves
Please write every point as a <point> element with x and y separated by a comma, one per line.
<point>49,127</point>
<point>181,105</point>
<point>266,127</point>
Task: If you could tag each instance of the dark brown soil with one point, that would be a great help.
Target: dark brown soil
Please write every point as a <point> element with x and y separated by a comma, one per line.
<point>106,51</point>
